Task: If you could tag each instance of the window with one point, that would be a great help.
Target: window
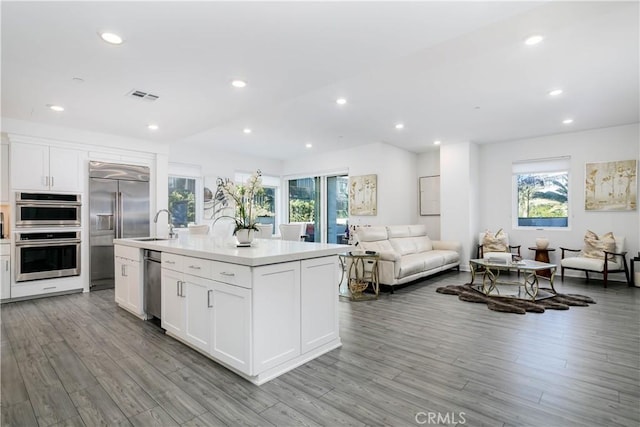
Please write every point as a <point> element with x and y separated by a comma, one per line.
<point>185,194</point>
<point>321,202</point>
<point>542,193</point>
<point>267,202</point>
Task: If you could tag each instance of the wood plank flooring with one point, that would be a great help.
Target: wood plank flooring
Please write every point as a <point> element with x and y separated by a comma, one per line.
<point>414,357</point>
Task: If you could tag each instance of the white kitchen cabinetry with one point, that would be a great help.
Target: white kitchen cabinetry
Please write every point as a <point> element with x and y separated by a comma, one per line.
<point>318,303</point>
<point>172,305</point>
<point>43,167</point>
<point>4,173</point>
<point>128,280</point>
<point>5,271</point>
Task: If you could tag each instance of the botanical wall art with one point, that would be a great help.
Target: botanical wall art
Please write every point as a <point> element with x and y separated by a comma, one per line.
<point>363,198</point>
<point>611,186</point>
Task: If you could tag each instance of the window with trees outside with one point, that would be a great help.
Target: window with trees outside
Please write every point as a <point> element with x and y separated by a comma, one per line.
<point>542,193</point>
<point>182,200</point>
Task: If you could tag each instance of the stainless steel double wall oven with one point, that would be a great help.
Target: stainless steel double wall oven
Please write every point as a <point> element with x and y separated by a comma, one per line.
<point>47,241</point>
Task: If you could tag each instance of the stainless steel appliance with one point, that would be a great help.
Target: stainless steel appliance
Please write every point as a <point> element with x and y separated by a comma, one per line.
<point>118,208</point>
<point>47,254</point>
<point>152,289</point>
<point>48,210</point>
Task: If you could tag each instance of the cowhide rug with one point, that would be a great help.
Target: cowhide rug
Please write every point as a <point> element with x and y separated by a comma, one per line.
<point>516,305</point>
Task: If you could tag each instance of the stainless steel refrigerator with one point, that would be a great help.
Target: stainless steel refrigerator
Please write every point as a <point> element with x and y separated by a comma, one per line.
<point>118,208</point>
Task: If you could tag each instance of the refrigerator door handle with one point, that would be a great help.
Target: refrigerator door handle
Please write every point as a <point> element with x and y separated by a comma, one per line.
<point>119,218</point>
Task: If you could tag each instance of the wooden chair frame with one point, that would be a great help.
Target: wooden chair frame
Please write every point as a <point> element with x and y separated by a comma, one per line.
<point>605,272</point>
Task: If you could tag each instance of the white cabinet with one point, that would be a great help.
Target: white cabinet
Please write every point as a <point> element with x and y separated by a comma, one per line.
<point>197,325</point>
<point>276,307</point>
<point>5,272</point>
<point>172,305</point>
<point>43,167</point>
<point>128,280</point>
<point>4,173</point>
<point>230,308</point>
<point>318,302</point>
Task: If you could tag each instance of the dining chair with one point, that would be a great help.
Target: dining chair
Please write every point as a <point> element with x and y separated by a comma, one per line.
<point>291,232</point>
<point>265,231</point>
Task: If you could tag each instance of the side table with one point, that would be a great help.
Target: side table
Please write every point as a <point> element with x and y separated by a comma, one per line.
<point>361,271</point>
<point>542,255</point>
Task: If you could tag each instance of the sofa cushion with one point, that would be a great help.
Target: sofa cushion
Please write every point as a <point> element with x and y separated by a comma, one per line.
<point>377,246</point>
<point>404,245</point>
<point>448,257</point>
<point>594,245</point>
<point>398,231</point>
<point>412,264</point>
<point>423,244</point>
<point>432,259</point>
<point>371,234</point>
<point>592,264</point>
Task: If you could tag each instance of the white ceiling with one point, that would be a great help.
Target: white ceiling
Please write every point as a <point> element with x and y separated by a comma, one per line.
<point>453,71</point>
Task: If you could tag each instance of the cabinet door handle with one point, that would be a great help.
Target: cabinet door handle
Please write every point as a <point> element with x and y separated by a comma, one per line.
<point>46,181</point>
<point>52,180</point>
<point>6,266</point>
<point>170,262</point>
<point>209,298</point>
<point>224,273</point>
<point>195,267</point>
<point>50,287</point>
<point>177,287</point>
<point>124,270</point>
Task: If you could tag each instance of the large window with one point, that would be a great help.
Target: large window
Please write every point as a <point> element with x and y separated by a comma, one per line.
<point>542,193</point>
<point>186,194</point>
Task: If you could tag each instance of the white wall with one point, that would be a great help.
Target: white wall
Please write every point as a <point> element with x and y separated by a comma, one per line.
<point>458,196</point>
<point>600,145</point>
<point>397,178</point>
<point>429,165</point>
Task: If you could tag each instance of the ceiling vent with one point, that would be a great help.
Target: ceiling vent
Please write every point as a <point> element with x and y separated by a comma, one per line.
<point>142,95</point>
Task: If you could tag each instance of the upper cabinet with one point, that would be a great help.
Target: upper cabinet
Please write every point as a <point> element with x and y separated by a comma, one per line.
<point>4,173</point>
<point>42,167</point>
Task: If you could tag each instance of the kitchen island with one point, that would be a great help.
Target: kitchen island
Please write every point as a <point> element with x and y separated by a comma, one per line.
<point>260,311</point>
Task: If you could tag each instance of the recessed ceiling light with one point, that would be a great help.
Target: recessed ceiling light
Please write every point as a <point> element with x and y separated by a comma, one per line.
<point>567,121</point>
<point>400,126</point>
<point>111,38</point>
<point>532,40</point>
<point>238,83</point>
<point>308,145</point>
<point>246,130</point>
<point>555,92</point>
<point>77,80</point>
<point>152,127</point>
<point>436,142</point>
<point>341,101</point>
<point>57,108</point>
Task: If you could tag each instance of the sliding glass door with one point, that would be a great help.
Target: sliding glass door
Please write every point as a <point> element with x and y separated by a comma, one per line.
<point>320,205</point>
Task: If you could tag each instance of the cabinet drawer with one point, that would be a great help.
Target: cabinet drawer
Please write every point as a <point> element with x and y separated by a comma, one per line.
<point>127,252</point>
<point>28,289</point>
<point>172,261</point>
<point>233,274</point>
<point>197,267</point>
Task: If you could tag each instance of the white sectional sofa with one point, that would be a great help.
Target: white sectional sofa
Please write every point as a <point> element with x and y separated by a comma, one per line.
<point>406,252</point>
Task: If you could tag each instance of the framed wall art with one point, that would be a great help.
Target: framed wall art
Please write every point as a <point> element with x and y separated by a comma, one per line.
<point>429,195</point>
<point>363,197</point>
<point>611,186</point>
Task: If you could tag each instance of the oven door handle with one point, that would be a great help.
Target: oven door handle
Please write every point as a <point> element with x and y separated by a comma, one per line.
<point>57,242</point>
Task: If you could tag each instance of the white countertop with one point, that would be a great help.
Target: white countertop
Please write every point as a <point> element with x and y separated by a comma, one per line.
<point>261,251</point>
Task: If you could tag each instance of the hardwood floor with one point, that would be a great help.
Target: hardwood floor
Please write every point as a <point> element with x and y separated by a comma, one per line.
<point>414,357</point>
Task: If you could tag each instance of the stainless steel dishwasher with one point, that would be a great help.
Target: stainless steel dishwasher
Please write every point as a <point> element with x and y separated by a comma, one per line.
<point>152,288</point>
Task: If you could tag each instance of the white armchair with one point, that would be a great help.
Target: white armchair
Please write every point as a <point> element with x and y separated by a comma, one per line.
<point>292,232</point>
<point>609,262</point>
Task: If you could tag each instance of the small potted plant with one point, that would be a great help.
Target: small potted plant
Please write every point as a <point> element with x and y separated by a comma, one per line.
<point>243,197</point>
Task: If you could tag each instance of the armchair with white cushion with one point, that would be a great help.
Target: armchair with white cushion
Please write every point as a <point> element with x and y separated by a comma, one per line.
<point>601,254</point>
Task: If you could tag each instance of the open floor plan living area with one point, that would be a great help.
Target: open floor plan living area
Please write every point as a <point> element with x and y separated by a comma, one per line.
<point>319,213</point>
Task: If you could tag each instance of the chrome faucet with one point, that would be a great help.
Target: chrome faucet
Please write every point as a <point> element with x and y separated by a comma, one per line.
<point>155,220</point>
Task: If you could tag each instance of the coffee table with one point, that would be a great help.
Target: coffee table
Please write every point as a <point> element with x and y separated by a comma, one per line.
<point>530,270</point>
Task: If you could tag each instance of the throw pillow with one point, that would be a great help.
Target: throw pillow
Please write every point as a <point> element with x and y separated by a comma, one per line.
<point>494,242</point>
<point>594,245</point>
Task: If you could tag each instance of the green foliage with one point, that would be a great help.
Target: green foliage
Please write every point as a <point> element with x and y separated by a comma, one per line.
<point>543,195</point>
<point>301,210</point>
<point>183,196</point>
